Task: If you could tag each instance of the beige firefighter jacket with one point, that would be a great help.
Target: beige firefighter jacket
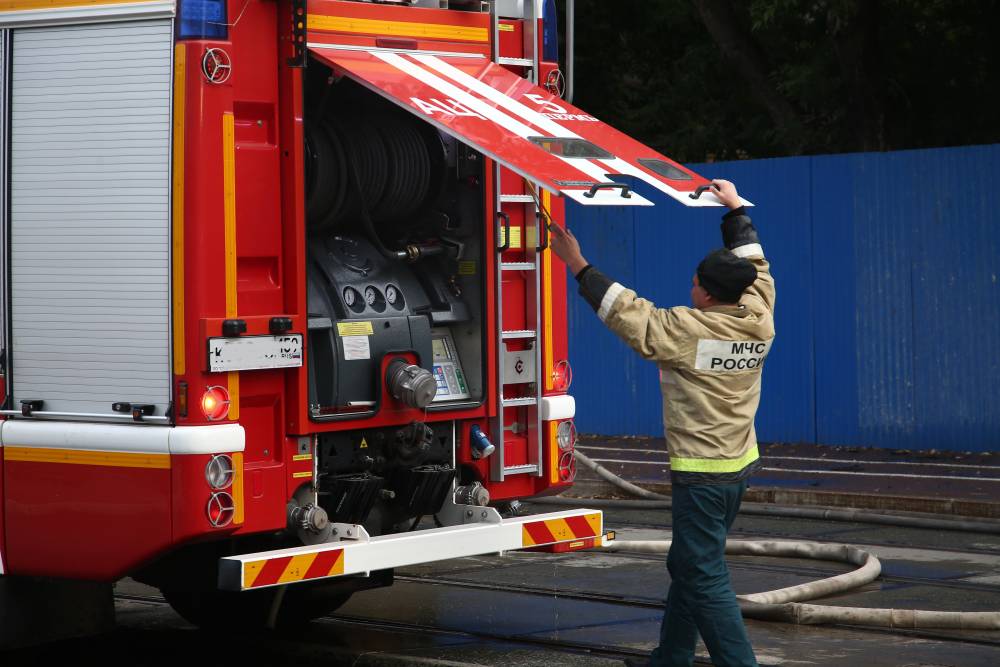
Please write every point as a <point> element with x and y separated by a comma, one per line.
<point>710,362</point>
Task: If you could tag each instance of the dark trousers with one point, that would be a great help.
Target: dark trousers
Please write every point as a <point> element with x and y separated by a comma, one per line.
<point>701,599</point>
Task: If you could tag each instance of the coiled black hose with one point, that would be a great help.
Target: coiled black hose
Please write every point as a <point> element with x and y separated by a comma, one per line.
<point>389,155</point>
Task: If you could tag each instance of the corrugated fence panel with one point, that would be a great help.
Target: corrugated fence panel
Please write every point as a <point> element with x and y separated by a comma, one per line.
<point>888,309</point>
<point>603,371</point>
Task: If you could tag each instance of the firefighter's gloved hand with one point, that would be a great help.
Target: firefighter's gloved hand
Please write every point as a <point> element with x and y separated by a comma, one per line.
<point>565,245</point>
<point>726,192</point>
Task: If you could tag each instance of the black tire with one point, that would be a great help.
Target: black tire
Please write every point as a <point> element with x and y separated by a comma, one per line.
<point>250,611</point>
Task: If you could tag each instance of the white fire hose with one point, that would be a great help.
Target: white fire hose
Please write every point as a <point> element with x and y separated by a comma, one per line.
<point>786,604</point>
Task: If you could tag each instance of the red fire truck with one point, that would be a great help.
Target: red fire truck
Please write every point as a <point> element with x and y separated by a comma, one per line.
<point>278,303</point>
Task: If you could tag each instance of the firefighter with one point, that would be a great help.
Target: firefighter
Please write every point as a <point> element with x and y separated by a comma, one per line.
<point>710,358</point>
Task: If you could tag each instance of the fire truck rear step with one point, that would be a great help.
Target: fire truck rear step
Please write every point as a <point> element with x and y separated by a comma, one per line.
<point>481,532</point>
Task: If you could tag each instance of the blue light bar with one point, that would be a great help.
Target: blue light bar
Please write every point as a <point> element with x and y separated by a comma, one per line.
<point>202,19</point>
<point>550,32</point>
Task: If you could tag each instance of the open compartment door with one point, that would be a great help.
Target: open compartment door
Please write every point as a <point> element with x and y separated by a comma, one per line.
<point>522,126</point>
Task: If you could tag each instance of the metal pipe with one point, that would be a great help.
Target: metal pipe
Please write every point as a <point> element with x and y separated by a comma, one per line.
<point>90,415</point>
<point>570,49</point>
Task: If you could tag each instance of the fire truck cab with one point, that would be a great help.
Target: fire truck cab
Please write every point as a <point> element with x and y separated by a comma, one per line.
<point>278,308</point>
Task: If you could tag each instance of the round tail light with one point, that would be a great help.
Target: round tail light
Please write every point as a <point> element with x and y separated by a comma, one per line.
<point>215,403</point>
<point>219,471</point>
<point>567,467</point>
<point>221,509</point>
<point>562,376</point>
<point>566,435</point>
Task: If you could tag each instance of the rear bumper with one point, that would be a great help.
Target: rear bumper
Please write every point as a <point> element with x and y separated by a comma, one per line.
<point>358,554</point>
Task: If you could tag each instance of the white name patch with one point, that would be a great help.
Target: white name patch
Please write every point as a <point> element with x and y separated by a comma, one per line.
<point>731,356</point>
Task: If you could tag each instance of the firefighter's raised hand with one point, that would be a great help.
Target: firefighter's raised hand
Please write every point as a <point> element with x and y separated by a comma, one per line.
<point>565,245</point>
<point>726,192</point>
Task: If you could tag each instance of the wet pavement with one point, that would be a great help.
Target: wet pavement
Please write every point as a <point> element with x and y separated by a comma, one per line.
<point>950,483</point>
<point>588,608</point>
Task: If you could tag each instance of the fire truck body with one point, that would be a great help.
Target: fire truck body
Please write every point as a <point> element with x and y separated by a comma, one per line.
<point>277,286</point>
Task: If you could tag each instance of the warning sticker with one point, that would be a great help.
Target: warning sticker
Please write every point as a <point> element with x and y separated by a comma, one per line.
<point>467,268</point>
<point>356,347</point>
<point>355,329</point>
<point>515,237</point>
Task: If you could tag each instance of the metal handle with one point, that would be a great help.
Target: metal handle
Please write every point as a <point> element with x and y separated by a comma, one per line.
<point>542,225</point>
<point>608,186</point>
<point>700,190</point>
<point>505,246</point>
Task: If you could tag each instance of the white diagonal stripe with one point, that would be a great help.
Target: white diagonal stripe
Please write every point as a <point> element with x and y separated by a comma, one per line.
<point>624,167</point>
<point>492,94</point>
<point>483,109</point>
<point>617,165</point>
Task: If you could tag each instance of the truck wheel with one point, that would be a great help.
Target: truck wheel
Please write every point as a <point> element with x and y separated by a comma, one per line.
<point>251,611</point>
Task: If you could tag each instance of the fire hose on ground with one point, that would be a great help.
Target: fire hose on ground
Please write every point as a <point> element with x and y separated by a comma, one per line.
<point>788,604</point>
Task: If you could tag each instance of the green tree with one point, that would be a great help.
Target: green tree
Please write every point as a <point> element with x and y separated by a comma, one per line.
<point>707,79</point>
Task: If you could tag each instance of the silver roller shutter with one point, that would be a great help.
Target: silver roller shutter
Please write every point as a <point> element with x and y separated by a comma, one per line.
<point>90,215</point>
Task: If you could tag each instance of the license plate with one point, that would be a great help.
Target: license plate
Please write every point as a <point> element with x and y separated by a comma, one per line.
<point>246,353</point>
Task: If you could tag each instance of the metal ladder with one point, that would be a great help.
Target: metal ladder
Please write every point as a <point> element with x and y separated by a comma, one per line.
<point>528,406</point>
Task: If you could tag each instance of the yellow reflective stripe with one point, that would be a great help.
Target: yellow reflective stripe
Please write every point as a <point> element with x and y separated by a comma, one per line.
<point>554,453</point>
<point>229,214</point>
<point>82,457</point>
<point>233,385</point>
<point>397,28</point>
<point>180,64</point>
<point>548,363</point>
<point>239,514</point>
<point>22,5</point>
<point>679,464</point>
<point>229,209</point>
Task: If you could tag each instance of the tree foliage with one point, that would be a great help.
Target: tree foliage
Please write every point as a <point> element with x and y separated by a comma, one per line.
<point>721,79</point>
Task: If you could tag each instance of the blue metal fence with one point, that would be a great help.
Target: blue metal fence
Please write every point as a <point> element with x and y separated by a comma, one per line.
<point>888,311</point>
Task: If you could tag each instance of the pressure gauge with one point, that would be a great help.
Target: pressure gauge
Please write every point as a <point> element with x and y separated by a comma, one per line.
<point>352,299</point>
<point>374,299</point>
<point>394,297</point>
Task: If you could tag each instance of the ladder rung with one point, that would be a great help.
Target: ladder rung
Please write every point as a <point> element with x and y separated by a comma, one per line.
<point>519,333</point>
<point>517,402</point>
<point>522,62</point>
<point>517,266</point>
<point>519,199</point>
<point>520,470</point>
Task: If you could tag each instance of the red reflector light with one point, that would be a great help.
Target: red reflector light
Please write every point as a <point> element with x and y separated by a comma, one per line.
<point>215,403</point>
<point>562,376</point>
<point>396,43</point>
<point>220,509</point>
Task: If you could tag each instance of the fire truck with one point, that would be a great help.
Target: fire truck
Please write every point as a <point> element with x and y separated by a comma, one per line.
<point>279,313</point>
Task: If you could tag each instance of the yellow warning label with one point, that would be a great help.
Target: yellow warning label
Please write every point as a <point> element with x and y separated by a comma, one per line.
<point>355,328</point>
<point>506,27</point>
<point>364,443</point>
<point>515,237</point>
<point>301,474</point>
<point>302,457</point>
<point>467,268</point>
<point>576,545</point>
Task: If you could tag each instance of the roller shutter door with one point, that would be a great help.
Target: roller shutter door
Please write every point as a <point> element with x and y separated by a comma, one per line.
<point>90,215</point>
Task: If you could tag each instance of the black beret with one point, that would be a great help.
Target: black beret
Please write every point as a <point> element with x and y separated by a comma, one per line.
<point>725,276</point>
